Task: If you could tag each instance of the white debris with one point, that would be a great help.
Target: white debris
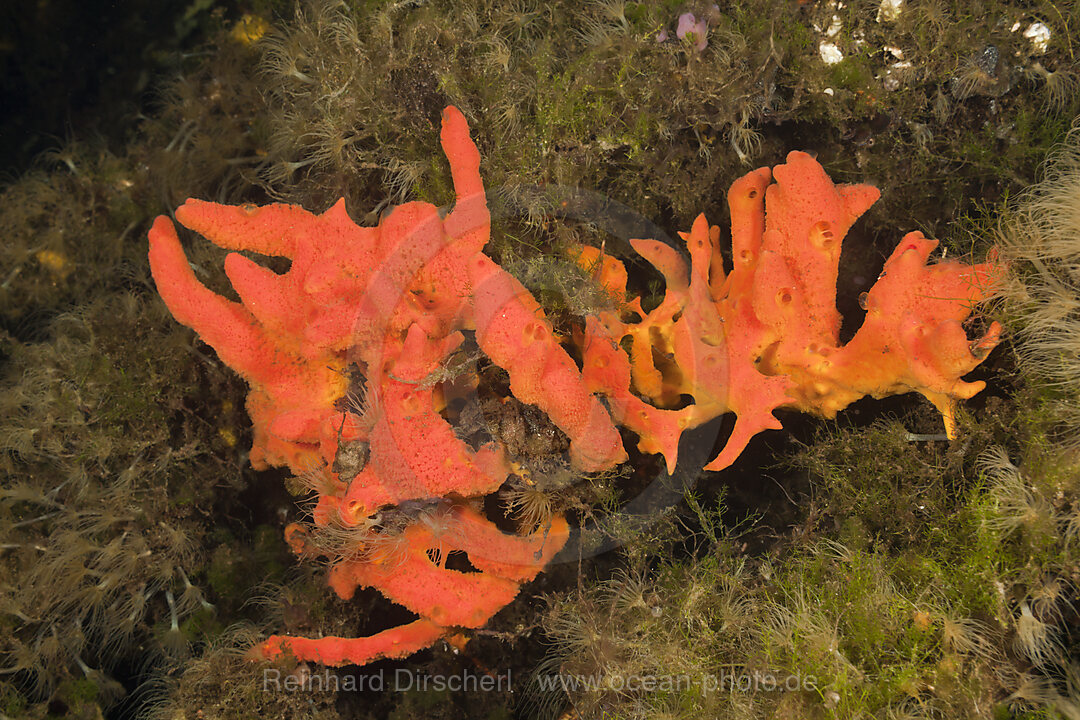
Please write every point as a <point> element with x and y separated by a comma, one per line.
<point>834,24</point>
<point>830,53</point>
<point>1015,27</point>
<point>894,51</point>
<point>892,77</point>
<point>1039,35</point>
<point>829,91</point>
<point>834,27</point>
<point>859,38</point>
<point>889,10</point>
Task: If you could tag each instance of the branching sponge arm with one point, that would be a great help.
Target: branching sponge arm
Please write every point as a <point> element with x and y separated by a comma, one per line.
<point>765,335</point>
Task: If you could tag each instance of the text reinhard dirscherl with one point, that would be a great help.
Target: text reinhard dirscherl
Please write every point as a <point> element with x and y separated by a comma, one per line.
<point>403,680</point>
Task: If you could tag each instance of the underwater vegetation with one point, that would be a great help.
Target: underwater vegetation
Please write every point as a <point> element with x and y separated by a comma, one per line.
<point>141,555</point>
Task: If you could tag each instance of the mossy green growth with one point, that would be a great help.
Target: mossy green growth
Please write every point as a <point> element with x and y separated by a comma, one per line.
<point>12,702</point>
<point>421,703</point>
<point>928,576</point>
<point>75,699</point>
<point>852,73</point>
<point>225,573</point>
